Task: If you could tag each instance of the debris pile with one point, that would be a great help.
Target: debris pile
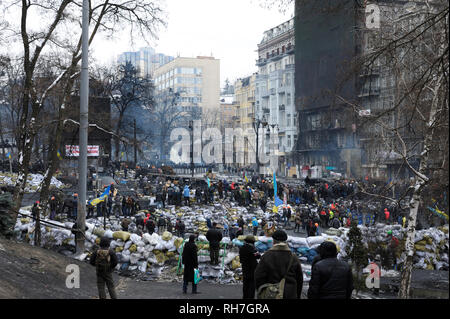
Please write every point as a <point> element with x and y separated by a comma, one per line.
<point>33,181</point>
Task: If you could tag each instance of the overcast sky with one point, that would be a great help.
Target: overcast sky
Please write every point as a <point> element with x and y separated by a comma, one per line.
<point>230,30</point>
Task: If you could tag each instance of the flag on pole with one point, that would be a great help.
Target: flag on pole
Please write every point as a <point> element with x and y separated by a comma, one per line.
<point>277,201</point>
<point>8,155</point>
<point>246,179</point>
<point>101,198</point>
<point>58,154</point>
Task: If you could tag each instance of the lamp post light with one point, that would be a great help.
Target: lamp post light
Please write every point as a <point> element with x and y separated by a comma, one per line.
<point>257,123</point>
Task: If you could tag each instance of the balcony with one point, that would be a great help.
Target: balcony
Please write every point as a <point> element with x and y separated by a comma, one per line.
<point>369,92</point>
<point>273,91</point>
<point>266,110</point>
<point>281,107</point>
<point>251,99</point>
<point>290,67</point>
<point>261,62</point>
<point>281,89</point>
<point>265,93</point>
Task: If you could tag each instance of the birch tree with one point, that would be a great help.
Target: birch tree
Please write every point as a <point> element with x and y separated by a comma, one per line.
<point>411,47</point>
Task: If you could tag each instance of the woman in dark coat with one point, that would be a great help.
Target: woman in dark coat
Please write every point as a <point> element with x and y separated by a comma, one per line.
<point>190,262</point>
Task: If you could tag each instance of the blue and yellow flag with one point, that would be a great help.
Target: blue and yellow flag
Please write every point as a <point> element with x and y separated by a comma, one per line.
<point>58,154</point>
<point>277,201</point>
<point>101,198</point>
<point>8,155</point>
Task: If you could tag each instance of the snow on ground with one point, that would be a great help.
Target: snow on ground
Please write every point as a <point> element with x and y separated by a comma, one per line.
<point>33,181</point>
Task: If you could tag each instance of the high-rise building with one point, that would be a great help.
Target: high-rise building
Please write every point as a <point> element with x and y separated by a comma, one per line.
<point>195,79</point>
<point>195,82</point>
<point>146,61</point>
<point>244,91</point>
<point>274,87</point>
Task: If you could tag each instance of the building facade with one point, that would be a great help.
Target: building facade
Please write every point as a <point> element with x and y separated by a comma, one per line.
<point>146,60</point>
<point>275,89</point>
<point>326,41</point>
<point>244,90</point>
<point>195,82</point>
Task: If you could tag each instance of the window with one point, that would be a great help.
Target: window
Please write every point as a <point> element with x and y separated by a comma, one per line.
<point>288,120</point>
<point>288,99</point>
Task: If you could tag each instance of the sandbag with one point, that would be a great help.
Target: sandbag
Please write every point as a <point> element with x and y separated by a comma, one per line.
<point>166,236</point>
<point>108,234</point>
<point>135,238</point>
<point>314,240</point>
<point>123,235</point>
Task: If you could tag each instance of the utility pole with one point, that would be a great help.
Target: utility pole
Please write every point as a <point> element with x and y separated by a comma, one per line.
<point>84,124</point>
<point>135,144</point>
<point>191,126</point>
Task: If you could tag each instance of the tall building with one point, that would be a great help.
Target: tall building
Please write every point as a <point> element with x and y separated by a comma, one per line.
<point>196,84</point>
<point>244,91</point>
<point>326,39</point>
<point>146,61</point>
<point>197,80</point>
<point>332,136</point>
<point>274,87</point>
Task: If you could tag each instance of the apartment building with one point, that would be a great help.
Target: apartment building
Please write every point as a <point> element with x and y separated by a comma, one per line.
<point>275,87</point>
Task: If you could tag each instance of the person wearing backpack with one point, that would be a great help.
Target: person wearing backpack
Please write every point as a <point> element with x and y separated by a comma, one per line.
<point>279,273</point>
<point>104,260</point>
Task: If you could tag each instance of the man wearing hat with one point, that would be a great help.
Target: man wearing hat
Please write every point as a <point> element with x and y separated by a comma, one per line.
<point>248,257</point>
<point>273,267</point>
<point>330,277</point>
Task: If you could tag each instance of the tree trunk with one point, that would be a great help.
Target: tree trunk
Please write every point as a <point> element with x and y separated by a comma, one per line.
<point>409,247</point>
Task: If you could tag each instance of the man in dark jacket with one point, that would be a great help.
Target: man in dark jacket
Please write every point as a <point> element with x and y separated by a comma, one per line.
<point>214,236</point>
<point>248,257</point>
<point>190,262</point>
<point>104,260</point>
<point>330,278</point>
<point>272,267</point>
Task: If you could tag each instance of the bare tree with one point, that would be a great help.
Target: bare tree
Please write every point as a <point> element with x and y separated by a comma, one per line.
<point>411,49</point>
<point>57,36</point>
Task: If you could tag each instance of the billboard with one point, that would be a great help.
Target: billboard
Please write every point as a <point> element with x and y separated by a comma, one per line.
<point>74,150</point>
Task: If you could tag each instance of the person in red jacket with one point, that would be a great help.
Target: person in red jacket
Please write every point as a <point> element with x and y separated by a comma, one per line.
<point>386,215</point>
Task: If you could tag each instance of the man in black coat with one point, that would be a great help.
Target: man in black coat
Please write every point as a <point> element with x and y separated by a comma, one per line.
<point>330,277</point>
<point>190,262</point>
<point>105,259</point>
<point>273,265</point>
<point>214,236</point>
<point>248,257</point>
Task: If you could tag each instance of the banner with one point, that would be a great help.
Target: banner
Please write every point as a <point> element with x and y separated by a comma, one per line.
<point>74,150</point>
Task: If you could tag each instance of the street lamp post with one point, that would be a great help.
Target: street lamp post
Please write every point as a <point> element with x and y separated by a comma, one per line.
<point>257,123</point>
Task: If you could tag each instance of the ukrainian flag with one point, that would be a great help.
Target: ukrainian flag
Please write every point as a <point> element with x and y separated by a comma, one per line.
<point>8,155</point>
<point>277,201</point>
<point>101,198</point>
<point>59,155</point>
